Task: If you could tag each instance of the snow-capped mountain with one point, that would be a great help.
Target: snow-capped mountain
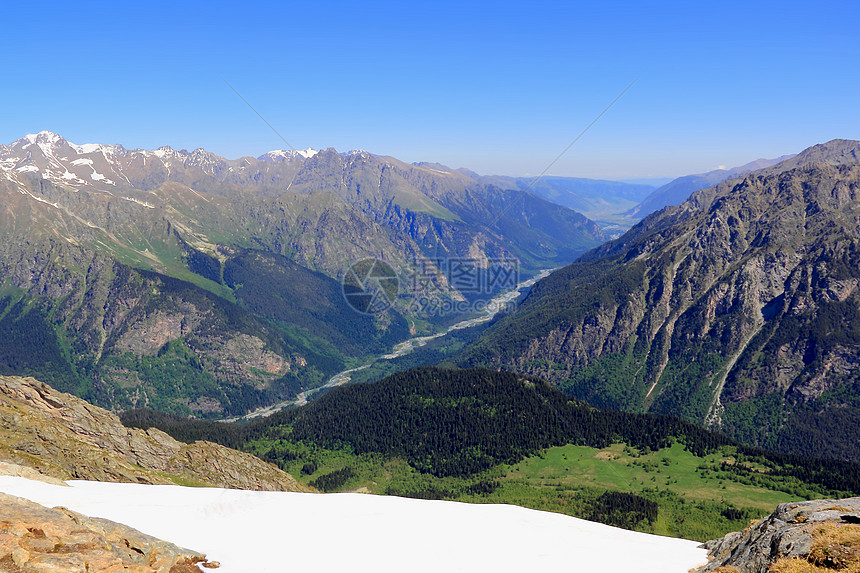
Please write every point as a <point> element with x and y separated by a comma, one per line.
<point>192,215</point>
<point>97,166</point>
<point>282,154</point>
<point>204,194</point>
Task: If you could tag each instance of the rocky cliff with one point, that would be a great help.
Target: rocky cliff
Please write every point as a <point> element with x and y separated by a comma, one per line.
<point>738,309</point>
<point>36,539</point>
<point>810,536</point>
<point>64,437</point>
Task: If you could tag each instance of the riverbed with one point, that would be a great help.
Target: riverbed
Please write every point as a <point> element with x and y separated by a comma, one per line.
<point>490,310</point>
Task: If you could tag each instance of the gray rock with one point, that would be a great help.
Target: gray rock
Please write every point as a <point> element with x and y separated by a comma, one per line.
<point>787,532</point>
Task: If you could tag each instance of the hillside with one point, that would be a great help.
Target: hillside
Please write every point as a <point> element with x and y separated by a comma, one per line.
<point>679,190</point>
<point>63,437</point>
<point>496,437</point>
<point>735,309</point>
<point>190,283</point>
<point>270,532</point>
<point>123,337</point>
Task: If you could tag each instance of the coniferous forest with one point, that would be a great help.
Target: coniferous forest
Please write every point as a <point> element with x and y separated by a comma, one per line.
<point>454,429</point>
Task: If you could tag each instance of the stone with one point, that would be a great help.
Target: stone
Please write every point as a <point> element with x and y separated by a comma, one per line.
<point>787,532</point>
<point>37,539</point>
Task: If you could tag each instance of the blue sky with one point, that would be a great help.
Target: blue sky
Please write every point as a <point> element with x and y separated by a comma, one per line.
<point>497,87</point>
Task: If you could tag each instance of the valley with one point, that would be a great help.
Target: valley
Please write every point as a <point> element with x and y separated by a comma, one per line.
<point>488,437</point>
<point>501,302</point>
<point>460,287</point>
<point>151,287</point>
<point>734,309</point>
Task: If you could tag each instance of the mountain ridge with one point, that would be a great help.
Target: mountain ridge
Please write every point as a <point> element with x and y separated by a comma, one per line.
<point>64,437</point>
<point>679,190</point>
<point>690,311</point>
<point>138,270</point>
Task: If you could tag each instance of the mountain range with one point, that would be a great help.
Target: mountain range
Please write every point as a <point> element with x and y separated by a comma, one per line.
<point>679,190</point>
<point>322,209</point>
<point>616,205</point>
<point>597,199</point>
<point>188,282</point>
<point>736,309</point>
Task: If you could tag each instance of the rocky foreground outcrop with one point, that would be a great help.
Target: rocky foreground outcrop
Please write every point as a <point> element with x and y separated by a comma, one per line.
<point>64,437</point>
<point>819,535</point>
<point>36,539</point>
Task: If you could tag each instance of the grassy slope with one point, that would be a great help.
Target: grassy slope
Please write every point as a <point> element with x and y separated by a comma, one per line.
<point>495,437</point>
<point>695,499</point>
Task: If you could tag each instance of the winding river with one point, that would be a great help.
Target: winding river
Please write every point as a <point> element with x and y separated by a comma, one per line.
<point>492,308</point>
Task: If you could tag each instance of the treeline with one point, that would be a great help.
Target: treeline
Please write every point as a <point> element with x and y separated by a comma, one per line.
<point>461,422</point>
<point>333,481</point>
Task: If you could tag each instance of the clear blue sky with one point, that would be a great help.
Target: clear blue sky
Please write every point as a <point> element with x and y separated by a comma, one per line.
<point>498,87</point>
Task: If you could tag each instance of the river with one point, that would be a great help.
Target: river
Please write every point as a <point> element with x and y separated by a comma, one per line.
<point>492,308</point>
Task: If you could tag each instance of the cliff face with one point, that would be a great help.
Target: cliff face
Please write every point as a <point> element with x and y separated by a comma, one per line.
<point>66,438</point>
<point>739,309</point>
<point>37,539</point>
<point>806,534</point>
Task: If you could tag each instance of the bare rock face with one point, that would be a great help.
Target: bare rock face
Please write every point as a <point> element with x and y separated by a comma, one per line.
<point>788,533</point>
<point>36,539</point>
<point>738,309</point>
<point>65,437</point>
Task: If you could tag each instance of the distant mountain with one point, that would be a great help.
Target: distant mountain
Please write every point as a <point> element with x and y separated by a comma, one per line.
<point>738,309</point>
<point>188,282</point>
<point>356,203</point>
<point>597,199</point>
<point>678,190</point>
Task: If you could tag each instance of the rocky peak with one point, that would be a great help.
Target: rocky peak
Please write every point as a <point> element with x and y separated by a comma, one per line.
<point>287,154</point>
<point>44,137</point>
<point>833,152</point>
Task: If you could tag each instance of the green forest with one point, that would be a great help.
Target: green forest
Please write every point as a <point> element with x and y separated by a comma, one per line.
<point>486,436</point>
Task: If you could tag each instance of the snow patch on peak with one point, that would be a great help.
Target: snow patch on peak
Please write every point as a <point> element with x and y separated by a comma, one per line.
<point>86,148</point>
<point>307,153</point>
<point>163,151</point>
<point>139,202</point>
<point>289,154</point>
<point>43,137</point>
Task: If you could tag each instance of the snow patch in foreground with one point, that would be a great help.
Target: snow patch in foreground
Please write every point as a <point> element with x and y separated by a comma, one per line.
<point>274,531</point>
